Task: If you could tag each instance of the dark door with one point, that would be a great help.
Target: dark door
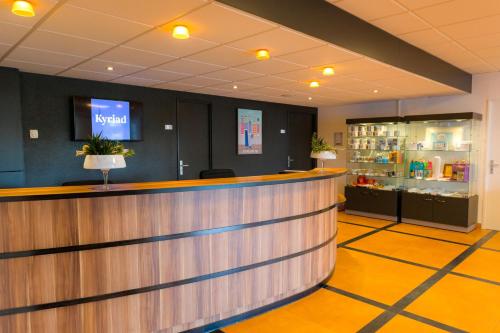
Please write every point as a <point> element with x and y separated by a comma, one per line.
<point>193,133</point>
<point>301,127</point>
<point>451,211</point>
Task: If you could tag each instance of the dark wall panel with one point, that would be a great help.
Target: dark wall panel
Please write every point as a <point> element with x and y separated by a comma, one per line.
<point>50,159</point>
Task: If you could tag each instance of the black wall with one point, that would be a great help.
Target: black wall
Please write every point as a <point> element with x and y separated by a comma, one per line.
<point>50,160</point>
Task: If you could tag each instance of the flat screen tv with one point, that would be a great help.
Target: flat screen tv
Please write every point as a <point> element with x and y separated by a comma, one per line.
<point>114,120</point>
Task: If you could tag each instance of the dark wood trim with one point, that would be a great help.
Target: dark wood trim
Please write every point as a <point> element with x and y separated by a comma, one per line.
<point>374,120</point>
<point>322,20</point>
<point>444,116</point>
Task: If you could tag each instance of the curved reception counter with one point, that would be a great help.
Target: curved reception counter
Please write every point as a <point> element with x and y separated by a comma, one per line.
<point>164,256</point>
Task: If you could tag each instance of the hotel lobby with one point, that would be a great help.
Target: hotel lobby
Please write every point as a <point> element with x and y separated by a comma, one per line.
<point>239,166</point>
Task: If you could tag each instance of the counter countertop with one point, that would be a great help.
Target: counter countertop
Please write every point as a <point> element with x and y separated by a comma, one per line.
<point>56,192</point>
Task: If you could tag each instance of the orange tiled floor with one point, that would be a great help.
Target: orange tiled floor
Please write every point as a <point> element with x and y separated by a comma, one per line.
<point>365,283</point>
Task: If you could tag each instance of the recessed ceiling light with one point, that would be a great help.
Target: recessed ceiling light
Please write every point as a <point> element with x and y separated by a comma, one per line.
<point>328,71</point>
<point>375,91</point>
<point>23,8</point>
<point>310,98</point>
<point>110,68</point>
<point>180,32</point>
<point>235,87</point>
<point>262,54</point>
<point>314,84</point>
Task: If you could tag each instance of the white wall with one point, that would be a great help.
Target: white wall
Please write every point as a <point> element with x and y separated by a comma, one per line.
<point>484,87</point>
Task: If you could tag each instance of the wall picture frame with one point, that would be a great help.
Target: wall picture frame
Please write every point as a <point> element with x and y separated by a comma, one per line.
<point>249,131</point>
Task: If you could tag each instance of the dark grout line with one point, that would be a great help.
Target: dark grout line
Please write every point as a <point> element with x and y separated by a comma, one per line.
<point>490,249</point>
<point>428,237</point>
<point>474,278</point>
<point>352,240</point>
<point>431,322</point>
<point>358,224</point>
<point>391,258</point>
<point>399,306</point>
<point>357,297</point>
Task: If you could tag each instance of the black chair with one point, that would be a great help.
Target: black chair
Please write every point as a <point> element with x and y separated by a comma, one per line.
<point>217,173</point>
<point>85,182</point>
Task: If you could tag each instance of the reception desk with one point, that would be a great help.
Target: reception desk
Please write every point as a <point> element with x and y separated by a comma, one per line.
<point>164,256</point>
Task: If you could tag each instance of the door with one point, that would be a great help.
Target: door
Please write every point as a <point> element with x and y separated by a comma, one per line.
<point>193,135</point>
<point>492,169</point>
<point>301,127</point>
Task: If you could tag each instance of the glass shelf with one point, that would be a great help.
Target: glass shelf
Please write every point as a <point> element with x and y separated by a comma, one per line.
<point>439,151</point>
<point>359,174</point>
<point>445,180</point>
<point>377,163</point>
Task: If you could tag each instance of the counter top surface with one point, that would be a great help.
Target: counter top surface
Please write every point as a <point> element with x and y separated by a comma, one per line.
<point>35,193</point>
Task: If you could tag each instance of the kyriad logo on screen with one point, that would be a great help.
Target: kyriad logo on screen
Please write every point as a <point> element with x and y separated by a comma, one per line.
<point>113,119</point>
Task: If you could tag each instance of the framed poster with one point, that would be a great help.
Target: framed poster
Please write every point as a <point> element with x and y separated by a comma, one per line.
<point>338,139</point>
<point>249,132</point>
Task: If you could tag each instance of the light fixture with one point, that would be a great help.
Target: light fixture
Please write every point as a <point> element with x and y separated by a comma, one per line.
<point>235,87</point>
<point>328,71</point>
<point>23,8</point>
<point>180,32</point>
<point>375,91</point>
<point>262,54</point>
<point>314,84</point>
<point>110,68</point>
<point>310,98</point>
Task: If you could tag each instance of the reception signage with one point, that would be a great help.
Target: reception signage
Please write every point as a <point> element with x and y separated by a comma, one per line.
<point>249,132</point>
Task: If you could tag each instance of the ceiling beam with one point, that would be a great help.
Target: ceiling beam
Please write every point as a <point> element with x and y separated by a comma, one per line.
<point>320,19</point>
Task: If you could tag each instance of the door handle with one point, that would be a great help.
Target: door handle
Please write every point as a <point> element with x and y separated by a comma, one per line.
<point>289,162</point>
<point>493,165</point>
<point>181,167</point>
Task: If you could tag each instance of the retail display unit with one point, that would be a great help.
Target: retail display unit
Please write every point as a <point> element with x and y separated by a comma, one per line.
<point>441,171</point>
<point>375,162</point>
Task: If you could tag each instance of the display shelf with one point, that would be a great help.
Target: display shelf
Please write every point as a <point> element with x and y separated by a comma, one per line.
<point>442,180</point>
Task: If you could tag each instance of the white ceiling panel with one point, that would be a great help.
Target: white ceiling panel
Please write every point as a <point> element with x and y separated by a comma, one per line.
<point>100,66</point>
<point>12,33</point>
<point>304,74</point>
<point>135,57</point>
<point>31,67</point>
<point>473,28</point>
<point>221,24</point>
<point>55,42</point>
<point>425,38</point>
<point>136,81</point>
<point>268,81</point>
<point>324,55</point>
<point>232,74</point>
<point>88,75</point>
<point>159,75</point>
<point>4,48</point>
<point>242,86</point>
<point>201,81</point>
<point>370,9</point>
<point>42,7</point>
<point>278,41</point>
<point>415,4</point>
<point>271,66</point>
<point>176,86</point>
<point>401,23</point>
<point>44,57</point>
<point>224,56</point>
<point>89,24</point>
<point>190,67</point>
<point>152,12</point>
<point>160,41</point>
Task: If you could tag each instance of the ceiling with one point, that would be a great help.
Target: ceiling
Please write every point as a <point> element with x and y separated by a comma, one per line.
<point>464,33</point>
<point>81,38</point>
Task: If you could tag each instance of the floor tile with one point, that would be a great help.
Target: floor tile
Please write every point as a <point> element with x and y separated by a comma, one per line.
<point>463,303</point>
<point>349,231</point>
<point>400,324</point>
<point>376,278</point>
<point>493,243</point>
<point>483,264</point>
<point>321,312</point>
<point>376,223</point>
<point>461,237</point>
<point>412,248</point>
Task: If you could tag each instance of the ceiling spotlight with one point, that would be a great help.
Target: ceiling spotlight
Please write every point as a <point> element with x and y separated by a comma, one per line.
<point>314,84</point>
<point>235,87</point>
<point>180,32</point>
<point>328,71</point>
<point>375,91</point>
<point>23,8</point>
<point>262,54</point>
<point>310,98</point>
<point>110,68</point>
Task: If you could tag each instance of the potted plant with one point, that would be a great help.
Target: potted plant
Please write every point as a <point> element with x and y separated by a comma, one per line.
<point>321,150</point>
<point>104,154</point>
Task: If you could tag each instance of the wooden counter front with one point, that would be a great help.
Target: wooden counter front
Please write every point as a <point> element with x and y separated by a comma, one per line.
<point>150,257</point>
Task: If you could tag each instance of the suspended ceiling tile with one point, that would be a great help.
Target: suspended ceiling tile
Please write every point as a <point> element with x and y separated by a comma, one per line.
<point>224,56</point>
<point>491,52</point>
<point>135,57</point>
<point>12,33</point>
<point>56,42</point>
<point>232,74</point>
<point>100,66</point>
<point>242,86</point>
<point>271,66</point>
<point>4,48</point>
<point>425,38</point>
<point>458,11</point>
<point>270,91</point>
<point>481,42</point>
<point>415,4</point>
<point>358,66</point>
<point>31,67</point>
<point>201,81</point>
<point>278,41</point>
<point>159,75</point>
<point>379,74</point>
<point>44,57</point>
<point>221,24</point>
<point>42,7</point>
<point>176,86</point>
<point>136,81</point>
<point>152,12</point>
<point>481,67</point>
<point>401,23</point>
<point>474,28</point>
<point>370,10</point>
<point>88,75</point>
<point>190,67</point>
<point>455,54</point>
<point>268,81</point>
<point>161,41</point>
<point>304,74</point>
<point>323,55</point>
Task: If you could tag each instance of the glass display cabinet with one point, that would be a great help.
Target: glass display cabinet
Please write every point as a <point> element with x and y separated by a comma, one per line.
<point>440,171</point>
<point>375,163</point>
